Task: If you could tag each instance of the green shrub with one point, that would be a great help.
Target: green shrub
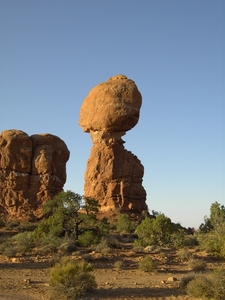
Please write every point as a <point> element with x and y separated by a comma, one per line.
<point>71,215</point>
<point>48,249</point>
<point>88,238</point>
<point>147,264</point>
<point>140,242</point>
<point>124,224</point>
<point>9,248</point>
<point>103,247</point>
<point>27,226</point>
<point>212,232</point>
<point>216,221</point>
<point>112,226</point>
<point>190,241</point>
<point>55,258</point>
<point>71,279</point>
<point>48,239</point>
<point>184,254</point>
<point>103,226</point>
<point>213,242</point>
<point>67,246</point>
<point>196,264</point>
<point>177,239</point>
<point>218,283</point>
<point>200,287</point>
<point>114,242</point>
<point>3,243</point>
<point>51,226</point>
<point>212,287</point>
<point>108,243</point>
<point>24,241</point>
<point>186,279</point>
<point>156,231</point>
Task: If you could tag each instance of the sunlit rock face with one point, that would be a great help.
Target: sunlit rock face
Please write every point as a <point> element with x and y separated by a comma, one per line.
<point>32,171</point>
<point>113,175</point>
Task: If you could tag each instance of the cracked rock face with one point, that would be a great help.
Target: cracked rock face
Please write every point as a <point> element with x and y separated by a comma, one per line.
<point>113,175</point>
<point>32,171</point>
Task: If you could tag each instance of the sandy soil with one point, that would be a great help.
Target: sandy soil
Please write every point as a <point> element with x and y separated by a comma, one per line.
<point>26,278</point>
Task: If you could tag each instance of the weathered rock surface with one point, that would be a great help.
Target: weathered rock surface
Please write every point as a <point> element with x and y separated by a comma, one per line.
<point>32,171</point>
<point>111,106</point>
<point>113,175</point>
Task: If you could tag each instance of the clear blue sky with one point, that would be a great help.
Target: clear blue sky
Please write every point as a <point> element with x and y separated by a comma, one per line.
<point>52,52</point>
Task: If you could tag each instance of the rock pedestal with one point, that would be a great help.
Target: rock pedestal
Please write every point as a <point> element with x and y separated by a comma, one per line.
<point>113,175</point>
<point>32,171</point>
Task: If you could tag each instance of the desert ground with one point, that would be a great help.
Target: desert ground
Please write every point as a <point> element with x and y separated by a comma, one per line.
<point>27,277</point>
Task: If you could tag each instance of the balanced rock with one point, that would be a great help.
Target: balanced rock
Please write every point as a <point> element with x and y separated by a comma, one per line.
<point>111,106</point>
<point>32,171</point>
<point>113,175</point>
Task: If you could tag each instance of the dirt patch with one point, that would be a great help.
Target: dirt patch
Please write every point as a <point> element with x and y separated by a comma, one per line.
<point>27,277</point>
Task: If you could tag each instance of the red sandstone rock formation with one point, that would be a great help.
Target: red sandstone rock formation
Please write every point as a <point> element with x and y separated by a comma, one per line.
<point>113,175</point>
<point>32,171</point>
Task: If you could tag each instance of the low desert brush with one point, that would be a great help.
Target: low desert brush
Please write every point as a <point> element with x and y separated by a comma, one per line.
<point>184,254</point>
<point>196,264</point>
<point>10,249</point>
<point>211,287</point>
<point>45,250</point>
<point>103,247</point>
<point>190,241</point>
<point>24,241</point>
<point>147,264</point>
<point>71,279</point>
<point>218,283</point>
<point>200,287</point>
<point>186,279</point>
<point>118,265</point>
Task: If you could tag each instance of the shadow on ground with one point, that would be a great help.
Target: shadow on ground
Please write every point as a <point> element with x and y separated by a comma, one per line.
<point>145,293</point>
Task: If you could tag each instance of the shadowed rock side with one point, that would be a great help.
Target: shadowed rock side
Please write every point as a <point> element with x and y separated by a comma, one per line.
<point>113,175</point>
<point>32,171</point>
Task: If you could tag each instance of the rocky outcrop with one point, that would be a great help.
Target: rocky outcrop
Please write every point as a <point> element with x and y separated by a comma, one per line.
<point>32,171</point>
<point>113,175</point>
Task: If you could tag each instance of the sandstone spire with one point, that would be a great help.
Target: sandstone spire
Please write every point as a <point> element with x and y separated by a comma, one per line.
<point>32,171</point>
<point>113,175</point>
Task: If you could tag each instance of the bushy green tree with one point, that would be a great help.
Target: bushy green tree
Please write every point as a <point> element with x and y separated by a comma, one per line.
<point>70,214</point>
<point>91,205</point>
<point>91,230</point>
<point>61,215</point>
<point>155,231</point>
<point>212,232</point>
<point>216,220</point>
<point>217,215</point>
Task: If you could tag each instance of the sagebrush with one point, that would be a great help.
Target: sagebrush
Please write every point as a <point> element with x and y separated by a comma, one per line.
<point>71,279</point>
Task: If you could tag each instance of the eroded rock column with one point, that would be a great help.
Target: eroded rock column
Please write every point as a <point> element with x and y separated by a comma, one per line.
<point>32,171</point>
<point>113,175</point>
